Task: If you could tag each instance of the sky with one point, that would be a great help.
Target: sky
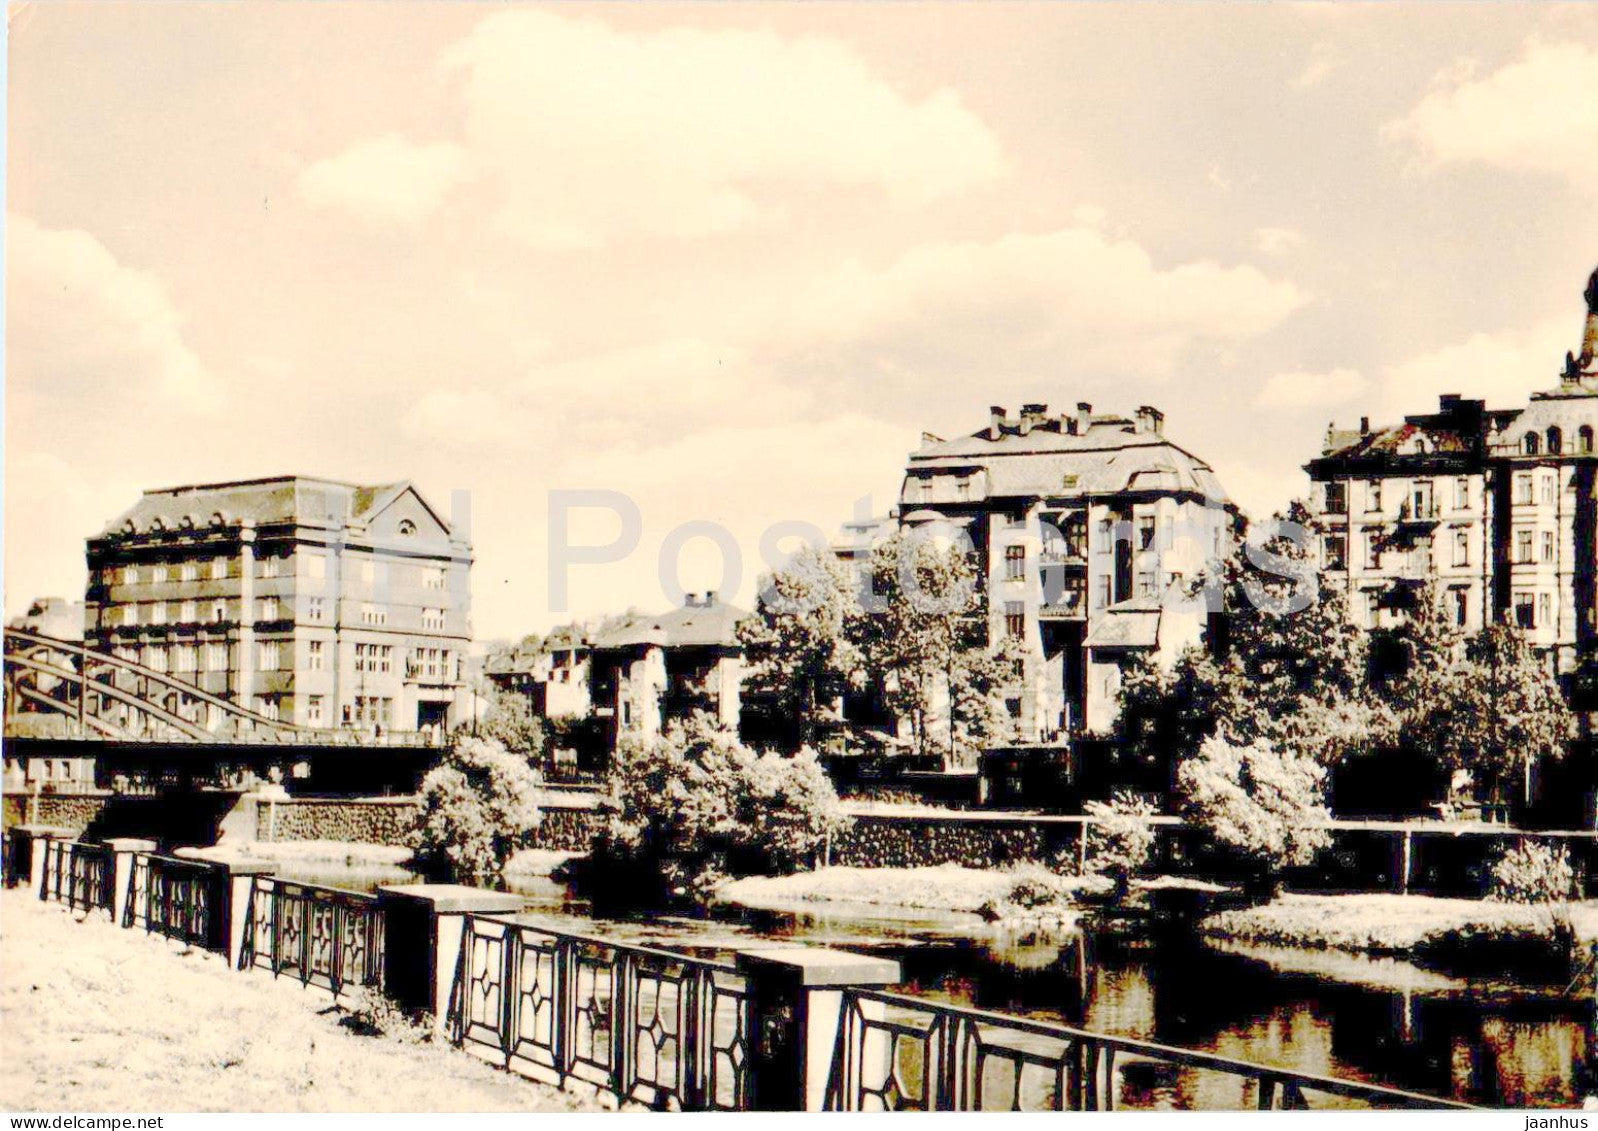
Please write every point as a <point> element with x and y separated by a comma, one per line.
<point>731,260</point>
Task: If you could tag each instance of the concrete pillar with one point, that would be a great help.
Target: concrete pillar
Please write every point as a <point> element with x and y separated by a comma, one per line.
<point>235,885</point>
<point>30,841</point>
<point>796,1007</point>
<point>122,852</point>
<point>423,928</point>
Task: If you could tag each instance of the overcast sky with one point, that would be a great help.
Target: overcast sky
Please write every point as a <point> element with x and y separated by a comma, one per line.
<point>733,259</point>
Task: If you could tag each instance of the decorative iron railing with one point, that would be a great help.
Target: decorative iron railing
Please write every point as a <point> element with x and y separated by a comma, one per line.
<point>659,1029</point>
<point>184,900</point>
<point>323,936</point>
<point>899,1053</point>
<point>82,876</point>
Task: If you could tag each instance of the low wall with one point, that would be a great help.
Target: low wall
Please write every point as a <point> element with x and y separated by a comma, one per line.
<point>567,824</point>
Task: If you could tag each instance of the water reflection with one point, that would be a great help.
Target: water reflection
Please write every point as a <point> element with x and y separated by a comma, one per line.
<point>1490,1041</point>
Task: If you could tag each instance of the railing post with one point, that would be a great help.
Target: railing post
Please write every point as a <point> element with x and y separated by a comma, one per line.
<point>424,926</point>
<point>235,883</point>
<point>31,840</point>
<point>123,849</point>
<point>796,1006</point>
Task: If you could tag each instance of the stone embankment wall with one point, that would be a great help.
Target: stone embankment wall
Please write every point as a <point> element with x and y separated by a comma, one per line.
<point>566,826</point>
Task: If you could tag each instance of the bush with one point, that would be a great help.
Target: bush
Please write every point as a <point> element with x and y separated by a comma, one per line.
<point>1121,839</point>
<point>695,805</point>
<point>478,805</point>
<point>1264,808</point>
<point>509,720</point>
<point>1533,873</point>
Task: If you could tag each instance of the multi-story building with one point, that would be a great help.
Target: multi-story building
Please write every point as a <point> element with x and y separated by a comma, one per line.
<point>1493,508</point>
<point>645,670</point>
<point>52,616</point>
<point>313,602</point>
<point>553,677</point>
<point>1090,528</point>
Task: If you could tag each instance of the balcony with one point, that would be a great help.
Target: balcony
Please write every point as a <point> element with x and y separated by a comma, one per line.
<point>1418,513</point>
<point>1070,605</point>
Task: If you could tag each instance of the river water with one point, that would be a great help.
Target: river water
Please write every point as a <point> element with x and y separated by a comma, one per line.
<point>1489,1040</point>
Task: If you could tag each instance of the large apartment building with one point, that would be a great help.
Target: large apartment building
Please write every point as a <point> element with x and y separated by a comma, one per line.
<point>1089,527</point>
<point>1494,509</point>
<point>314,602</point>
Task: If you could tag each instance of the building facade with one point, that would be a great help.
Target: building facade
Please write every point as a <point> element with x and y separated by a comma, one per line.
<point>1493,510</point>
<point>312,602</point>
<point>1091,528</point>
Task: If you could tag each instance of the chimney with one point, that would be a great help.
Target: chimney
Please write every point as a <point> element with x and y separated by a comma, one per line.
<point>1448,403</point>
<point>1032,415</point>
<point>995,421</point>
<point>1150,419</point>
<point>1083,411</point>
<point>710,597</point>
<point>1364,426</point>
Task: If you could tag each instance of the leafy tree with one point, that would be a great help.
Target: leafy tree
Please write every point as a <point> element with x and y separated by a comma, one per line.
<point>509,720</point>
<point>1120,839</point>
<point>694,805</point>
<point>1493,712</point>
<point>478,805</point>
<point>1263,807</point>
<point>982,682</point>
<point>796,646</point>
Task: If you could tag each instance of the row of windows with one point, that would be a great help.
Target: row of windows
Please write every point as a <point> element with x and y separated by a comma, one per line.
<point>1530,548</point>
<point>1532,443</point>
<point>266,609</point>
<point>310,566</point>
<point>1420,502</point>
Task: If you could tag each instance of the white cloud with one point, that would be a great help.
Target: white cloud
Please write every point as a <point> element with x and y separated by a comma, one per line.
<point>1538,114</point>
<point>1311,390</point>
<point>1278,241</point>
<point>387,179</point>
<point>1077,296</point>
<point>594,133</point>
<point>1502,368</point>
<point>83,329</point>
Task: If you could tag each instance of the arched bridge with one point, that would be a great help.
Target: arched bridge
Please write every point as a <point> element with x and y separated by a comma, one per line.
<point>87,693</point>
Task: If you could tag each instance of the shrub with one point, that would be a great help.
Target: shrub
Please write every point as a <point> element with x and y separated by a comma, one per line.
<point>478,805</point>
<point>1533,873</point>
<point>509,720</point>
<point>1121,839</point>
<point>1264,808</point>
<point>695,805</point>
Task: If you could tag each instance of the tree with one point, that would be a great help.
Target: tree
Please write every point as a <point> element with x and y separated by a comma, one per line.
<point>1493,712</point>
<point>796,647</point>
<point>924,635</point>
<point>1120,839</point>
<point>982,683</point>
<point>509,720</point>
<point>478,805</point>
<point>1265,808</point>
<point>694,805</point>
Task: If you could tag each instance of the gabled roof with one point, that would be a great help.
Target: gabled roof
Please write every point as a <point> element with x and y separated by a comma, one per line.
<point>1134,623</point>
<point>281,499</point>
<point>692,625</point>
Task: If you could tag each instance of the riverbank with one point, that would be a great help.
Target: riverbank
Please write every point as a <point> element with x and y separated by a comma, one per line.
<point>93,1018</point>
<point>355,854</point>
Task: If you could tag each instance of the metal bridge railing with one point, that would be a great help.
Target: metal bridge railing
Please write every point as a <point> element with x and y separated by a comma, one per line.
<point>658,1029</point>
<point>901,1053</point>
<point>182,899</point>
<point>323,936</point>
<point>81,875</point>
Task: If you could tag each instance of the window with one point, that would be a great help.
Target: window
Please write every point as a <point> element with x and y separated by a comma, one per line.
<point>1523,489</point>
<point>407,527</point>
<point>268,566</point>
<point>385,656</point>
<point>1014,564</point>
<point>1522,546</point>
<point>1145,583</point>
<point>218,568</point>
<point>158,612</point>
<point>1373,608</point>
<point>130,575</point>
<point>1420,499</point>
<point>1548,545</point>
<point>1373,495</point>
<point>218,612</point>
<point>185,658</point>
<point>371,614</point>
<point>1461,598</point>
<point>433,619</point>
<point>1373,550</point>
<point>315,566</point>
<point>189,571</point>
<point>1336,497</point>
<point>314,657</point>
<point>1076,536</point>
<point>1531,444</point>
<point>267,705</point>
<point>1336,551</point>
<point>157,574</point>
<point>962,490</point>
<point>315,609</point>
<point>1550,490</point>
<point>1525,610</point>
<point>1556,441</point>
<point>189,612</point>
<point>1584,440</point>
<point>1145,532</point>
<point>216,657</point>
<point>267,608</point>
<point>1101,592</point>
<point>314,710</point>
<point>432,577</point>
<point>267,654</point>
<point>1461,494</point>
<point>155,658</point>
<point>1462,546</point>
<point>130,614</point>
<point>1544,609</point>
<point>1014,619</point>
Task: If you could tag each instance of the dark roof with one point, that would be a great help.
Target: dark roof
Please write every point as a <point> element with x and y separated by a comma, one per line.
<point>281,499</point>
<point>692,625</point>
